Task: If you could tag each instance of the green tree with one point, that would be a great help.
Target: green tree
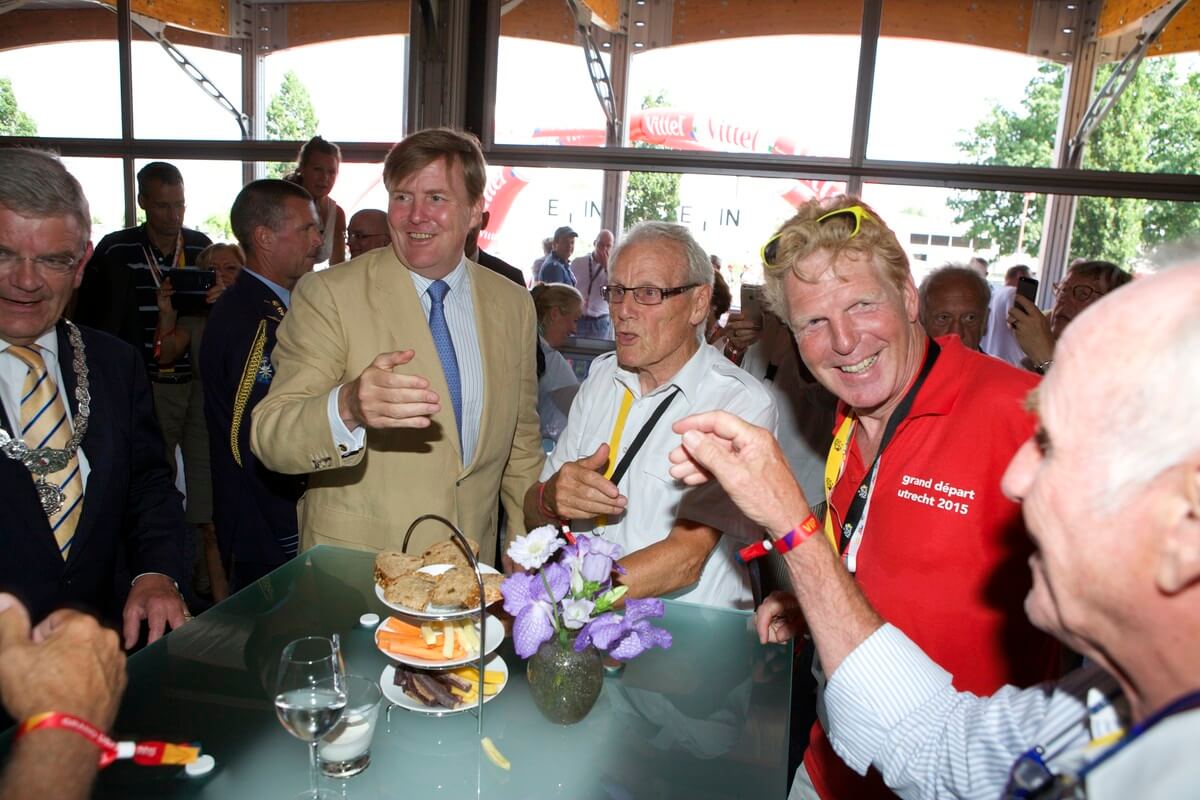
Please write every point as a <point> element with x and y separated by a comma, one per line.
<point>13,121</point>
<point>217,227</point>
<point>1154,127</point>
<point>290,117</point>
<point>651,195</point>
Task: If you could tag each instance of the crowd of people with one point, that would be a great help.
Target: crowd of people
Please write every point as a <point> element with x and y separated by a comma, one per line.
<point>961,492</point>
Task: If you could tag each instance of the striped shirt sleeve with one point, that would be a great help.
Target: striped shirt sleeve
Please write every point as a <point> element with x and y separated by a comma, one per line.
<point>891,707</point>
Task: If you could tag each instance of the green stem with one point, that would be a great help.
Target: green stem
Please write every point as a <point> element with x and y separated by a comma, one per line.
<point>558,623</point>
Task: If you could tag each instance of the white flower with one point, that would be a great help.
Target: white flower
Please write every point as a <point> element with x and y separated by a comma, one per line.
<point>576,613</point>
<point>535,548</point>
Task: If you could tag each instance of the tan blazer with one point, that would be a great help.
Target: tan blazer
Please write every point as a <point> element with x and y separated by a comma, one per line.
<point>339,321</point>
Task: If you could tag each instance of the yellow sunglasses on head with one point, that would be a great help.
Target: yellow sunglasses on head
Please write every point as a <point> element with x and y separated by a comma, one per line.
<point>771,248</point>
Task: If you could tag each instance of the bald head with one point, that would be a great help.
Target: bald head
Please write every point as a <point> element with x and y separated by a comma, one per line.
<point>1156,390</point>
<point>366,230</point>
<point>955,300</point>
<point>603,246</point>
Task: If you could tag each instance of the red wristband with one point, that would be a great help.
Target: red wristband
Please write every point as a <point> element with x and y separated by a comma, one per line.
<point>541,504</point>
<point>563,527</point>
<point>56,719</point>
<point>143,753</point>
<point>789,541</point>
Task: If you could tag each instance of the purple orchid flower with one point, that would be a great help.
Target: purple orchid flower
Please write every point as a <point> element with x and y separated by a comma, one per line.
<point>629,635</point>
<point>526,597</point>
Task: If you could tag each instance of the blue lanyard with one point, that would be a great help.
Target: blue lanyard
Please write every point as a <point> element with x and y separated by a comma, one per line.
<point>1186,703</point>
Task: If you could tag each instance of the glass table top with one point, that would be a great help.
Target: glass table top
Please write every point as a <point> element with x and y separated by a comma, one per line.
<point>707,718</point>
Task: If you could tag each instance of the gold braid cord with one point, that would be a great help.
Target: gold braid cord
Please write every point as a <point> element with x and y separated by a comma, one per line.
<point>245,386</point>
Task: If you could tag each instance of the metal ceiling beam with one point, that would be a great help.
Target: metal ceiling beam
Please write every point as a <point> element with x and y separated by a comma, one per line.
<point>954,176</point>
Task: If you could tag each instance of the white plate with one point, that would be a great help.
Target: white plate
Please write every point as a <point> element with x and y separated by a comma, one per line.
<point>397,696</point>
<point>495,634</point>
<point>435,612</point>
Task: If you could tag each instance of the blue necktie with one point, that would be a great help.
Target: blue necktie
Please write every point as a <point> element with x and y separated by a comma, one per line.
<point>445,348</point>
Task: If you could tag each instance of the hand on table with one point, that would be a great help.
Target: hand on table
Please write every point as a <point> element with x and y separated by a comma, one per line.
<point>155,599</point>
<point>747,462</point>
<point>380,398</point>
<point>67,663</point>
<point>579,489</point>
<point>1032,330</point>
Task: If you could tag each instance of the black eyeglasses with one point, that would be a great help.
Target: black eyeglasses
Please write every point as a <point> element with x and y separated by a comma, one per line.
<point>644,295</point>
<point>1080,292</point>
<point>858,213</point>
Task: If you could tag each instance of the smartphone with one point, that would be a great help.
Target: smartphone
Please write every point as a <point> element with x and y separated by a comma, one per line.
<point>1027,288</point>
<point>191,286</point>
<point>752,303</point>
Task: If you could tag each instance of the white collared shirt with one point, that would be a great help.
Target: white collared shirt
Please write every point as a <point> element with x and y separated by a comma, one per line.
<point>459,307</point>
<point>12,381</point>
<point>707,382</point>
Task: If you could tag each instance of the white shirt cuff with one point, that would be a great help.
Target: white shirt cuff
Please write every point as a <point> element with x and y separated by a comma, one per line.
<point>346,441</point>
<point>880,683</point>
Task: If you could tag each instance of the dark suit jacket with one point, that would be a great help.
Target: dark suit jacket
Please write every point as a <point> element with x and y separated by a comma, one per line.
<point>488,260</point>
<point>254,508</point>
<point>132,520</point>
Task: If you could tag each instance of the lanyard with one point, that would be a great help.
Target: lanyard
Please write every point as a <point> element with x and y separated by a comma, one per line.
<point>616,470</point>
<point>836,462</point>
<point>152,260</point>
<point>592,273</point>
<point>1032,777</point>
<point>1188,702</point>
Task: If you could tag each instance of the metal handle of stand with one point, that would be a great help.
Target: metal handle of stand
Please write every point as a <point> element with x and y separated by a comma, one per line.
<point>466,546</point>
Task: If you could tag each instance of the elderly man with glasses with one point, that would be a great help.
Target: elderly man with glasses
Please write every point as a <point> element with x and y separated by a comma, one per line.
<point>608,473</point>
<point>1087,282</point>
<point>366,231</point>
<point>924,430</point>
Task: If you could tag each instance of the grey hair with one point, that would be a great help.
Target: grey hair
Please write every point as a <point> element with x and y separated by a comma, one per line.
<point>35,183</point>
<point>700,269</point>
<point>948,271</point>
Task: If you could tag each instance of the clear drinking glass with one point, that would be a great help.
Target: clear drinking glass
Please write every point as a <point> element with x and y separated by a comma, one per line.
<point>310,696</point>
<point>346,750</point>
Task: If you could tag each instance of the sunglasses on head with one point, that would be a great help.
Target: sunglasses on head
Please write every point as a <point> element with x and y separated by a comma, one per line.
<point>771,249</point>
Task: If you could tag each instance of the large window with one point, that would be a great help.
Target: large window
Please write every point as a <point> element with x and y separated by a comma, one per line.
<point>943,226</point>
<point>167,104</point>
<point>348,90</point>
<point>1155,124</point>
<point>62,89</point>
<point>950,102</point>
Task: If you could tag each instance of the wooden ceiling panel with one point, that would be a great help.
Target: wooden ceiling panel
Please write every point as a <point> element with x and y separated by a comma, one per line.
<point>311,23</point>
<point>1002,26</point>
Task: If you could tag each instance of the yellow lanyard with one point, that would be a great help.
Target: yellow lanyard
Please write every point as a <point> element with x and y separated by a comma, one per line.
<point>834,466</point>
<point>614,442</point>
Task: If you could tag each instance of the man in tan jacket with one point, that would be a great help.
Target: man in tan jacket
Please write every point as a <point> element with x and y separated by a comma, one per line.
<point>405,379</point>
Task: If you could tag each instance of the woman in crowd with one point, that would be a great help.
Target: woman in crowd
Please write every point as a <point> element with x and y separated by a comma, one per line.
<point>559,307</point>
<point>1036,333</point>
<point>317,171</point>
<point>722,298</point>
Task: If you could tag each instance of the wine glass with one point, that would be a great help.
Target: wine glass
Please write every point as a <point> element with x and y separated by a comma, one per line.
<point>310,695</point>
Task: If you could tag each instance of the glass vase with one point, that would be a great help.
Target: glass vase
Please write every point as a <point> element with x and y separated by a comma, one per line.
<point>564,683</point>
